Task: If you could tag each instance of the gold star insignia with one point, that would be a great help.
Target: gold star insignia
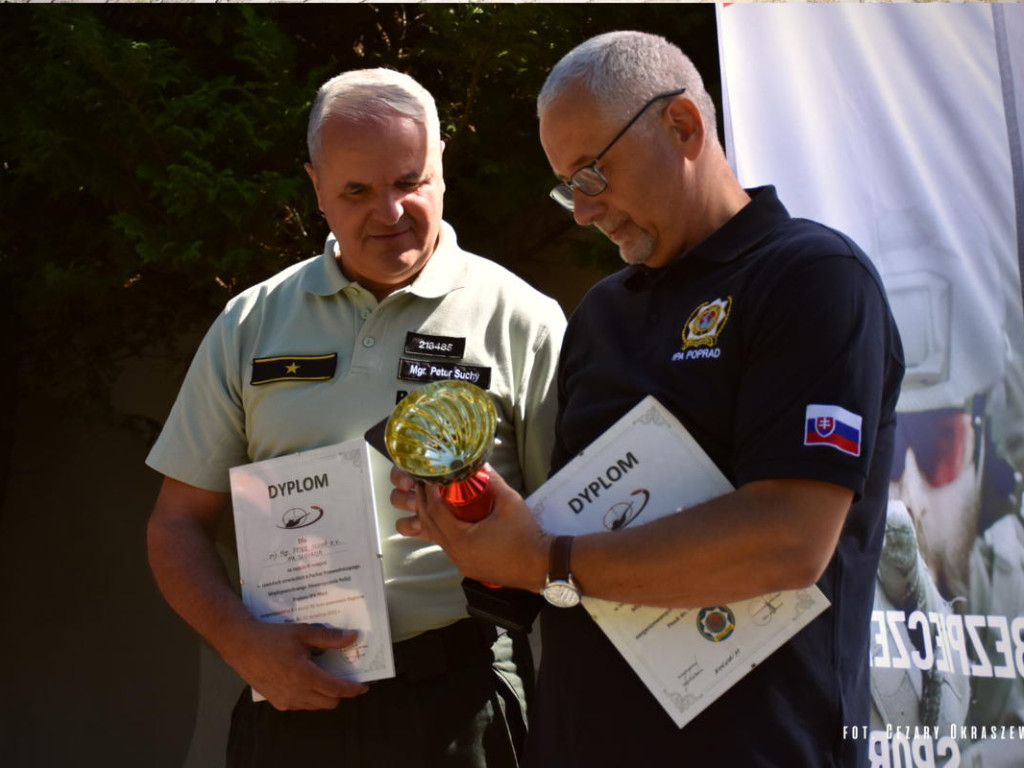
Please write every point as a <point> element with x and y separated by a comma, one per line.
<point>292,368</point>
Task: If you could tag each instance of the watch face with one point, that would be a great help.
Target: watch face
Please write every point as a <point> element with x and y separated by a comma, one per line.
<point>561,594</point>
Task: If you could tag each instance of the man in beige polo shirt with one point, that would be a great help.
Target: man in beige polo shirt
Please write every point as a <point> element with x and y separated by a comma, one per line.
<point>316,355</point>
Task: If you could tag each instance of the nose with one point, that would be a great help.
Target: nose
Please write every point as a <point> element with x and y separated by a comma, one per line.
<point>585,208</point>
<point>390,208</point>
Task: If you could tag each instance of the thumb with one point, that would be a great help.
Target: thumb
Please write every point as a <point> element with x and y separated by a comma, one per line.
<point>321,637</point>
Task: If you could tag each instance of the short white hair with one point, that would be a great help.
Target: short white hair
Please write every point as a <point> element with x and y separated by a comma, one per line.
<point>622,70</point>
<point>369,94</point>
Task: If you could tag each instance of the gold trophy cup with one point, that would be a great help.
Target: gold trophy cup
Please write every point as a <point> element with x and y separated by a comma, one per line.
<point>441,433</point>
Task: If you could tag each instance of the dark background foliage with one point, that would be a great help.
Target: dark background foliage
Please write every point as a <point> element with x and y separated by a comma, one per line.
<point>151,156</point>
<point>150,167</point>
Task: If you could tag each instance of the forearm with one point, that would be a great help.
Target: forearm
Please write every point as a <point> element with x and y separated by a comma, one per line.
<point>192,578</point>
<point>756,540</point>
<point>766,536</point>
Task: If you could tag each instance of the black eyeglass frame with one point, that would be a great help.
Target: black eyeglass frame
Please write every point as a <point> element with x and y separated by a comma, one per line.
<point>562,192</point>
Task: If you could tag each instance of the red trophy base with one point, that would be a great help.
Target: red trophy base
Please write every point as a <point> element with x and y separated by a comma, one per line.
<point>470,499</point>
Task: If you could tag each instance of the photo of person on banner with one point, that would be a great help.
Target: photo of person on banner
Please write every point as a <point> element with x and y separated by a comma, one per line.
<point>954,548</point>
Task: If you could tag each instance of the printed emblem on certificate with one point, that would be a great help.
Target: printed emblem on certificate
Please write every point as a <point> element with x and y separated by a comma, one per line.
<point>309,551</point>
<point>645,466</point>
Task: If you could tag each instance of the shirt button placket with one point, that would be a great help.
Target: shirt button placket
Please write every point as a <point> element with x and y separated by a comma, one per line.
<point>364,305</point>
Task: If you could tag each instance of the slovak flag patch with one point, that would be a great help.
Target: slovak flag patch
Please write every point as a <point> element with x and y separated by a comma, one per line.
<point>834,426</point>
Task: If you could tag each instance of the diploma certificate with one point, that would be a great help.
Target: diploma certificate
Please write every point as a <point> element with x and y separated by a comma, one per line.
<point>645,466</point>
<point>309,552</point>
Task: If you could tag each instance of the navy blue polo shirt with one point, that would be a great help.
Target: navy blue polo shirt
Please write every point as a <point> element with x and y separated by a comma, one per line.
<point>773,343</point>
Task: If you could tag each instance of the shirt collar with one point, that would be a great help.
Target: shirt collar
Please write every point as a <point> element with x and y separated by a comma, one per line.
<point>743,231</point>
<point>444,271</point>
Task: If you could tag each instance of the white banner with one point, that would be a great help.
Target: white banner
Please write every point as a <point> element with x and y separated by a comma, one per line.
<point>901,126</point>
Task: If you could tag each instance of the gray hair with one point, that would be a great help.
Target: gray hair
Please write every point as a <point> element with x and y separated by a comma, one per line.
<point>622,70</point>
<point>369,94</point>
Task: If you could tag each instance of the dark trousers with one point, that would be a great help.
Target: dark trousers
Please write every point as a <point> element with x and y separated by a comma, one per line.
<point>458,699</point>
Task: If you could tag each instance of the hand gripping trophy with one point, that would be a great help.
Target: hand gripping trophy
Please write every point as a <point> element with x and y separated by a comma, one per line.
<point>442,433</point>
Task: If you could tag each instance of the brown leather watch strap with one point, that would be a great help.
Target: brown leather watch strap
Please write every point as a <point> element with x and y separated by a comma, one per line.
<point>558,564</point>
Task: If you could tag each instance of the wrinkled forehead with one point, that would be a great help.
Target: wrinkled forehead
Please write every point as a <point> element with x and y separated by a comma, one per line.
<point>385,124</point>
<point>391,137</point>
<point>573,128</point>
<point>375,131</point>
<point>573,102</point>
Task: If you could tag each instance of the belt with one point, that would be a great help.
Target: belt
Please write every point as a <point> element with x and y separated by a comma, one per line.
<point>437,651</point>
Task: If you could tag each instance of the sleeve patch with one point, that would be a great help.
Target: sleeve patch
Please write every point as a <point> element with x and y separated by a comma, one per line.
<point>833,426</point>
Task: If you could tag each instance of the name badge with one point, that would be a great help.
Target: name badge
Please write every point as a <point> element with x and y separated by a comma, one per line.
<point>435,346</point>
<point>266,370</point>
<point>425,371</point>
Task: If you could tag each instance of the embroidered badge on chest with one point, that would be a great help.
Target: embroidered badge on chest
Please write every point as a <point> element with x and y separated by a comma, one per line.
<point>702,329</point>
<point>266,370</point>
<point>450,347</point>
<point>426,371</point>
<point>444,350</point>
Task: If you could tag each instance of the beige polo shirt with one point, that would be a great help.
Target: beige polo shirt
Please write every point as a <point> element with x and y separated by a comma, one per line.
<point>309,358</point>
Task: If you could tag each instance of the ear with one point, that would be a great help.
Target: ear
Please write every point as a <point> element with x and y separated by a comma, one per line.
<point>687,126</point>
<point>440,155</point>
<point>311,172</point>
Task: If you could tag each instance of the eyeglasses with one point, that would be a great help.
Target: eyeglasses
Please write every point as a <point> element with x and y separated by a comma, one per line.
<point>588,179</point>
<point>941,441</point>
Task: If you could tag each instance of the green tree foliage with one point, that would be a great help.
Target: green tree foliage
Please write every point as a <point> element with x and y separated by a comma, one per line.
<point>151,156</point>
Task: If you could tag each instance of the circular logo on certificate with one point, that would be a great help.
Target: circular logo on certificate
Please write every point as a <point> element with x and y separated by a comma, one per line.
<point>717,623</point>
<point>297,517</point>
<point>625,512</point>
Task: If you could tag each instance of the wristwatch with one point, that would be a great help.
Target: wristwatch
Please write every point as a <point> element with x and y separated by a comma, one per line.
<point>559,588</point>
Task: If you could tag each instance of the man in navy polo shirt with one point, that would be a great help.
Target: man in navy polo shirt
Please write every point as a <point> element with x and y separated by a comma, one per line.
<point>771,339</point>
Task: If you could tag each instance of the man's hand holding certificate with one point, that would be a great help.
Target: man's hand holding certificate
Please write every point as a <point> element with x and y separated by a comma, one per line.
<point>309,556</point>
<point>645,467</point>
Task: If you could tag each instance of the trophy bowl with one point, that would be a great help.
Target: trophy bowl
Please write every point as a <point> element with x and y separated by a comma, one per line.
<point>442,433</point>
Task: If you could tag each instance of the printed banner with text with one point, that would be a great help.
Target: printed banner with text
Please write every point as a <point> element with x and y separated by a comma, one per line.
<point>900,125</point>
